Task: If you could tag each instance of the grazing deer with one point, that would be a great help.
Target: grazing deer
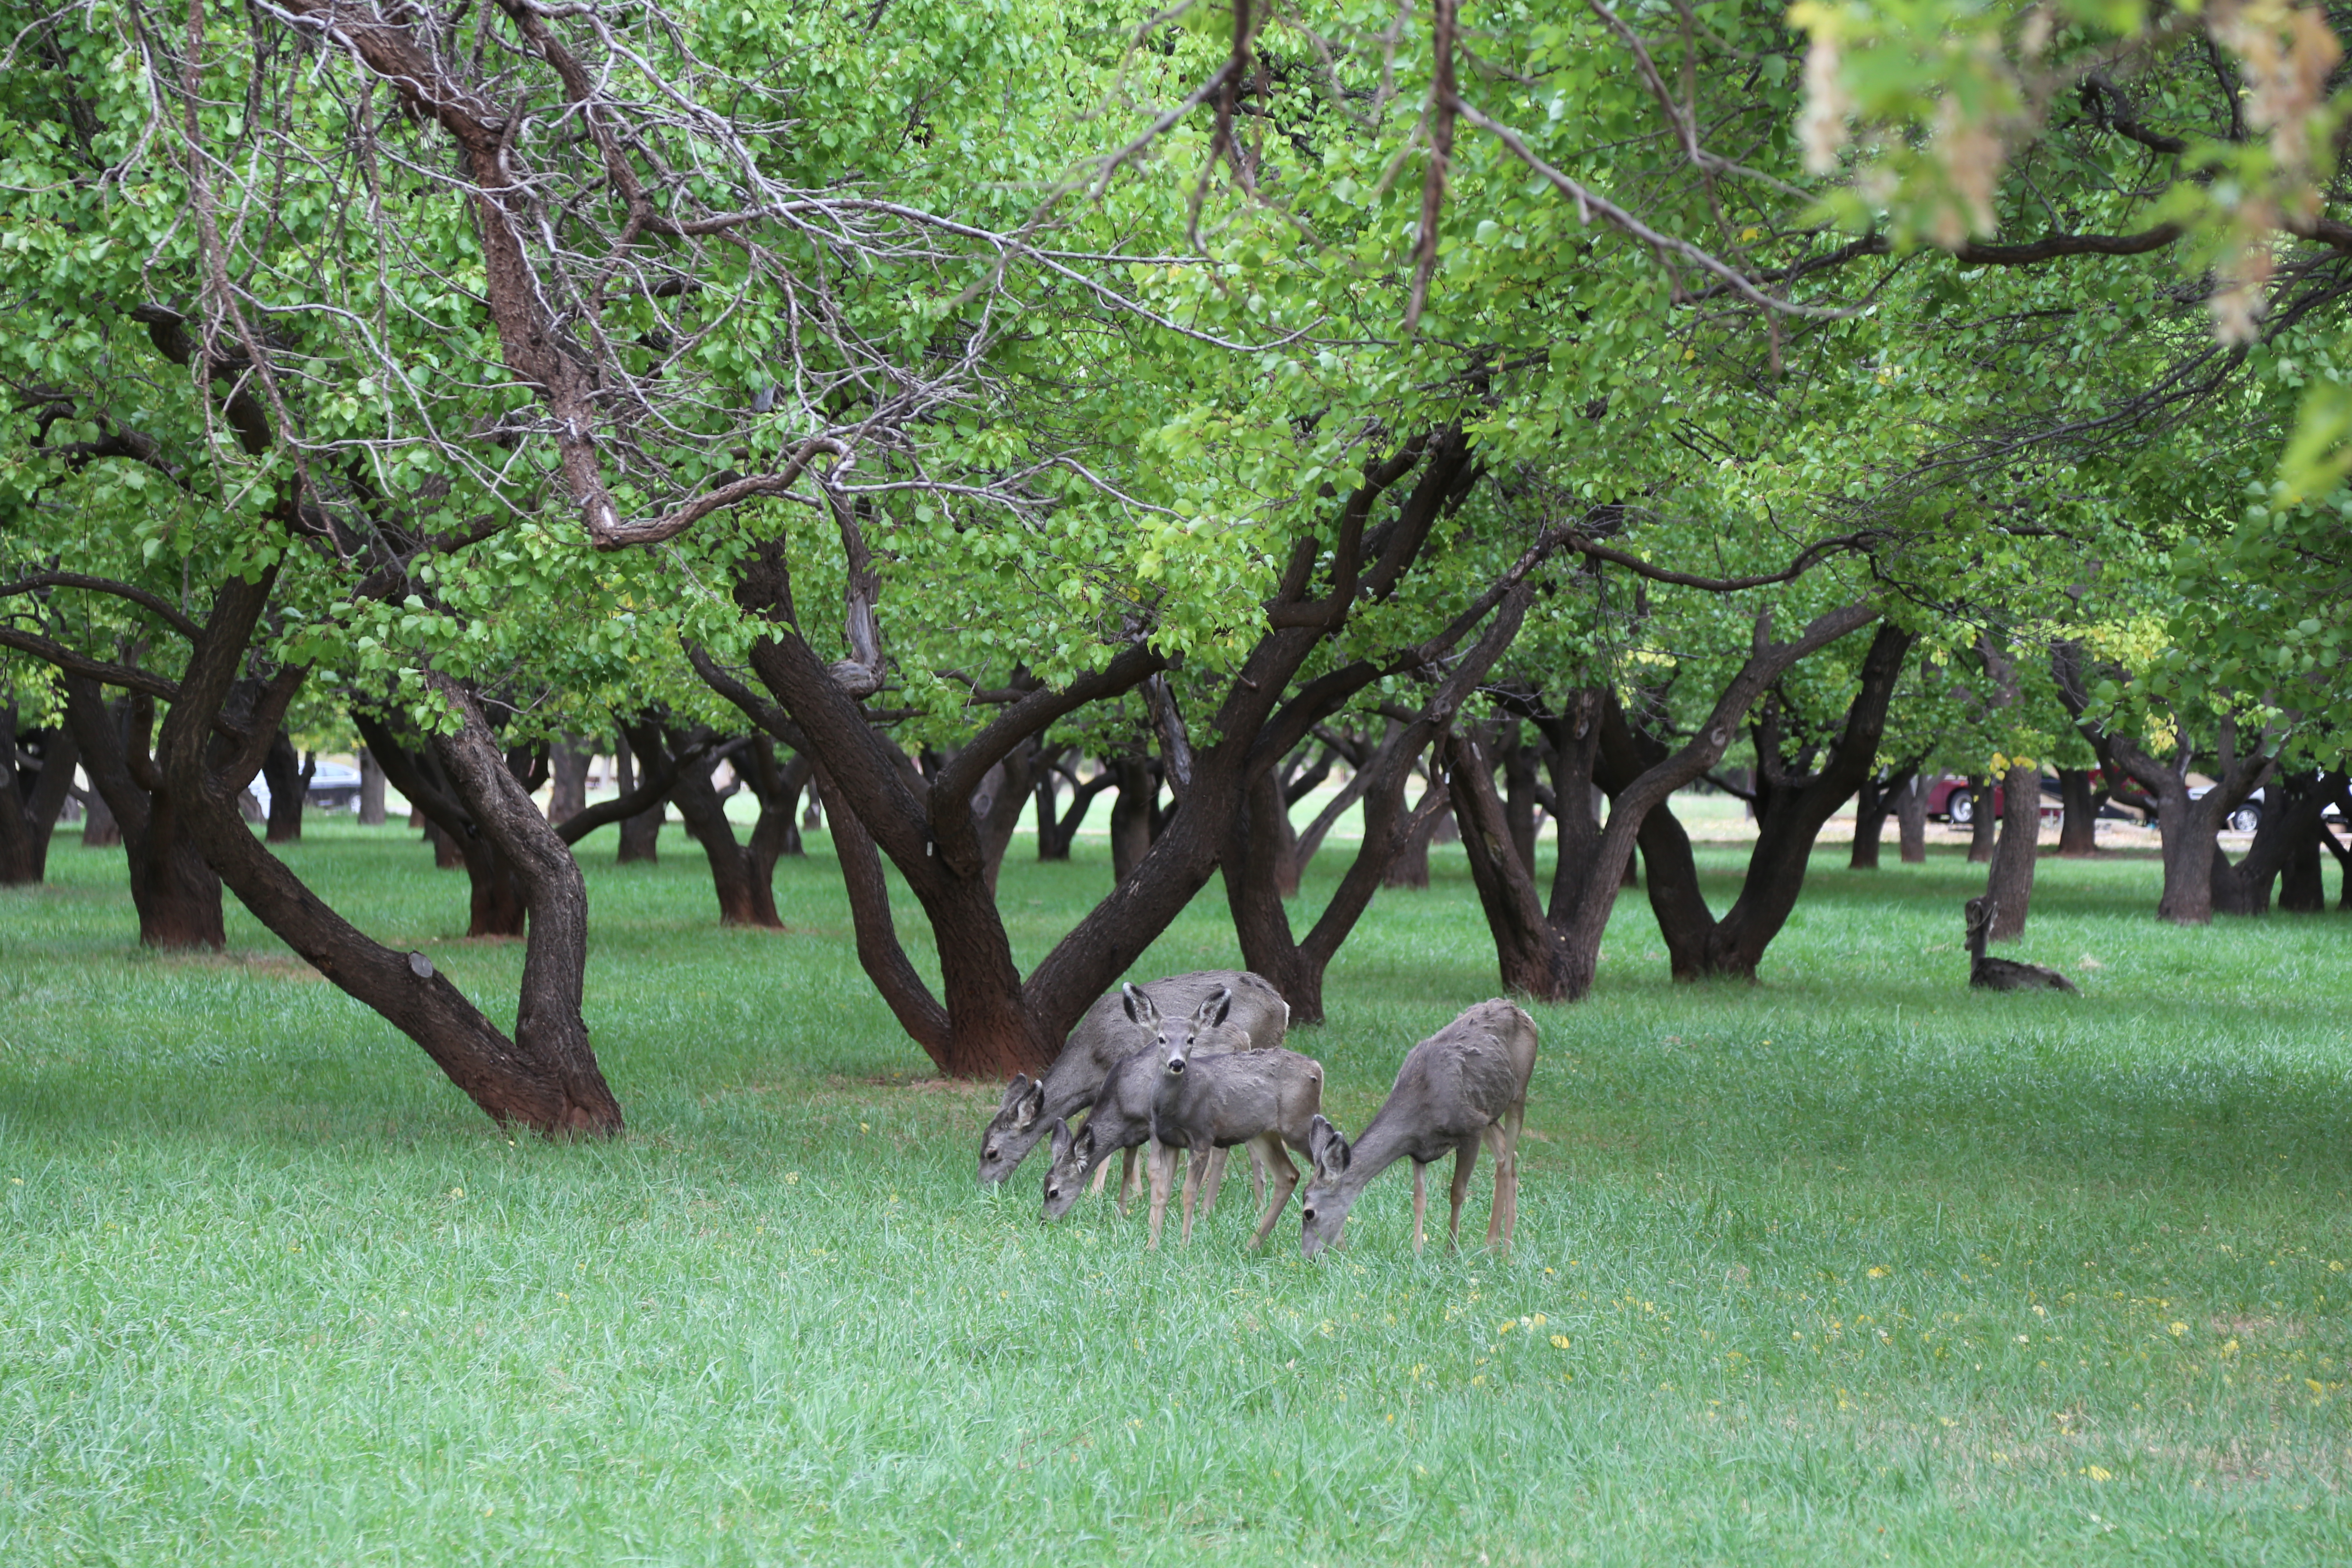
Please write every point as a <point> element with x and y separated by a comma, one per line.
<point>1120,1023</point>
<point>1213,1093</point>
<point>1464,1084</point>
<point>2003,973</point>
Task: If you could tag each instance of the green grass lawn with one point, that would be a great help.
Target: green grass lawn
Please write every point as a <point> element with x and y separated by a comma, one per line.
<point>1854,1266</point>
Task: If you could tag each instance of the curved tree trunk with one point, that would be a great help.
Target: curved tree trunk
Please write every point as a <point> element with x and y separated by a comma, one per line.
<point>546,1076</point>
<point>745,898</point>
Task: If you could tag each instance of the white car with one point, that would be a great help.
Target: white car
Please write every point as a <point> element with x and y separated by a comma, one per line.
<point>335,786</point>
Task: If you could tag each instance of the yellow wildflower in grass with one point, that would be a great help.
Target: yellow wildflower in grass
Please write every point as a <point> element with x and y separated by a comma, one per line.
<point>2179,1330</point>
<point>1559,1341</point>
<point>2100,1473</point>
<point>1878,1271</point>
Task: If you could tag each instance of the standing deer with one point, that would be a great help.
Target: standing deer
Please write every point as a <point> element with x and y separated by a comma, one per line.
<point>1214,1093</point>
<point>1464,1084</point>
<point>1120,1023</point>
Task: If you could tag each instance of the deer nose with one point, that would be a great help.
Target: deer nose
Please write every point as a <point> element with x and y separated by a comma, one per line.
<point>1309,1215</point>
<point>1176,1063</point>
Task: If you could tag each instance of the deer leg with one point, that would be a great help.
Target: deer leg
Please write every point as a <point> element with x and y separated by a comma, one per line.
<point>1130,1176</point>
<point>1466,1160</point>
<point>1512,1119</point>
<point>1258,1174</point>
<point>1285,1177</point>
<point>1212,1182</point>
<point>1102,1175</point>
<point>1419,1200</point>
<point>1163,1176</point>
<point>1492,1137</point>
<point>1192,1175</point>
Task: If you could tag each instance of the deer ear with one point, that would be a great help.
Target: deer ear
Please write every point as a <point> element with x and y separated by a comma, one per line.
<point>1032,1106</point>
<point>1062,1142</point>
<point>1138,1006</point>
<point>1083,1146</point>
<point>1319,1136</point>
<point>1216,1008</point>
<point>1013,1091</point>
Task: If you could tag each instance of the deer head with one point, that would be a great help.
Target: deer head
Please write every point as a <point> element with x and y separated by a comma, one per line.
<point>1008,1138</point>
<point>1065,1178</point>
<point>1324,1208</point>
<point>1177,1044</point>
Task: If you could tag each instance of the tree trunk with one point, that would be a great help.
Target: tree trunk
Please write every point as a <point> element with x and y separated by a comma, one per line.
<point>568,760</point>
<point>1793,813</point>
<point>1253,859</point>
<point>641,834</point>
<point>546,1076</point>
<point>2011,882</point>
<point>176,894</point>
<point>1409,868</point>
<point>1984,822</point>
<point>2301,889</point>
<point>448,853</point>
<point>1564,970</point>
<point>1130,813</point>
<point>496,902</point>
<point>2289,832</point>
<point>1911,819</point>
<point>1051,846</point>
<point>289,777</point>
<point>31,794</point>
<point>371,790</point>
<point>2078,829</point>
<point>744,898</point>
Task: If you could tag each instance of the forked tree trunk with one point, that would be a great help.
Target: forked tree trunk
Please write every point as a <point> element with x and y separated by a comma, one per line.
<point>495,901</point>
<point>2290,830</point>
<point>177,896</point>
<point>745,898</point>
<point>1794,812</point>
<point>546,1076</point>
<point>993,1021</point>
<point>1911,819</point>
<point>1252,862</point>
<point>2078,828</point>
<point>1554,956</point>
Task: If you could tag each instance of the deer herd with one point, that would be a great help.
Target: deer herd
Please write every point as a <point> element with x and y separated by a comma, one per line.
<point>1193,1065</point>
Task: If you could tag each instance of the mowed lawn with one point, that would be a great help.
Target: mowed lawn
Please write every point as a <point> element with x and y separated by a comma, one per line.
<point>1854,1266</point>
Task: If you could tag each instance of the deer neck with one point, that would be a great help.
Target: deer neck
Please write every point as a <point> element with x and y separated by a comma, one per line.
<point>1382,1144</point>
<point>1976,945</point>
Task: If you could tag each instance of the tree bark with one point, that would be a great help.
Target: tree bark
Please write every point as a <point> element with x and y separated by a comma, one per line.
<point>289,777</point>
<point>36,768</point>
<point>1911,819</point>
<point>496,905</point>
<point>1130,813</point>
<point>2078,828</point>
<point>176,894</point>
<point>1871,805</point>
<point>2289,833</point>
<point>371,790</point>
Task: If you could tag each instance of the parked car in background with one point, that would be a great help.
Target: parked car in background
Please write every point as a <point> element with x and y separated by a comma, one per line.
<point>335,786</point>
<point>1948,800</point>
